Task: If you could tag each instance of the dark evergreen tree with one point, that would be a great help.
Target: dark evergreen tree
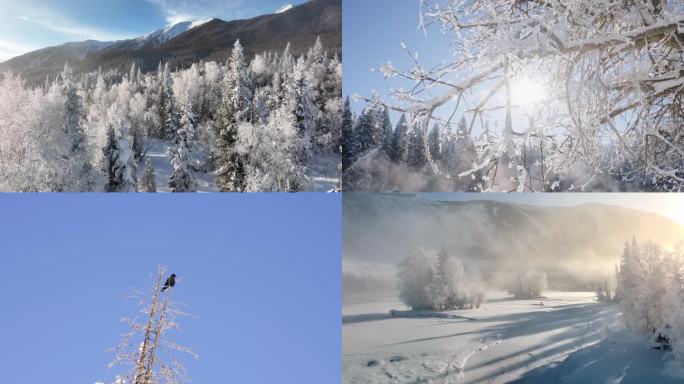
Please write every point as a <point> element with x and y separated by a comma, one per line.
<point>149,184</point>
<point>348,142</point>
<point>416,157</point>
<point>434,142</point>
<point>385,129</point>
<point>364,138</point>
<point>399,144</point>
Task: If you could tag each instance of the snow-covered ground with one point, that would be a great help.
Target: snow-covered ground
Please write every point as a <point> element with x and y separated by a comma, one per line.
<point>157,151</point>
<point>322,178</point>
<point>566,338</point>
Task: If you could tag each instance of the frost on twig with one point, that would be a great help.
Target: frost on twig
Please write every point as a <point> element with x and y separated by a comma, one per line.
<point>609,84</point>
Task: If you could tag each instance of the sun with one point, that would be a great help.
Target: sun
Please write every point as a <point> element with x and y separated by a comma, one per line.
<point>526,91</point>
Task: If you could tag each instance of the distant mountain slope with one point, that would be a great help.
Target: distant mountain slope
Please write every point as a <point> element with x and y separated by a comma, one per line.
<point>188,42</point>
<point>35,65</point>
<point>299,26</point>
<point>583,241</point>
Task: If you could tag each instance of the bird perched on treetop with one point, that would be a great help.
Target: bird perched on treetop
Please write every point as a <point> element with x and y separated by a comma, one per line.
<point>170,282</point>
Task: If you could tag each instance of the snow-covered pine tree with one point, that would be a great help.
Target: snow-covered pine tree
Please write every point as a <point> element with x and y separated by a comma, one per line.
<point>118,163</point>
<point>426,282</point>
<point>299,100</point>
<point>79,175</point>
<point>235,109</point>
<point>148,182</point>
<point>182,178</point>
<point>133,73</point>
<point>275,94</point>
<point>145,347</point>
<point>36,142</point>
<point>169,113</point>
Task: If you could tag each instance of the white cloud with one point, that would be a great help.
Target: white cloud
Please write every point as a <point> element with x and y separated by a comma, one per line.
<point>23,18</point>
<point>81,31</point>
<point>182,10</point>
<point>173,17</point>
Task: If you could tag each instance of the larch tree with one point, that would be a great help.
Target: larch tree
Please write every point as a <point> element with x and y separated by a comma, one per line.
<point>143,349</point>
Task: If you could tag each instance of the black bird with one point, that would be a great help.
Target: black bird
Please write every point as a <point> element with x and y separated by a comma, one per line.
<point>170,282</point>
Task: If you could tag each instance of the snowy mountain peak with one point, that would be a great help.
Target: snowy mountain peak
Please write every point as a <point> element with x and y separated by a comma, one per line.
<point>285,8</point>
<point>171,31</point>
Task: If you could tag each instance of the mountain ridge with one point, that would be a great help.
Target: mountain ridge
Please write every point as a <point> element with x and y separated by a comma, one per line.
<point>210,40</point>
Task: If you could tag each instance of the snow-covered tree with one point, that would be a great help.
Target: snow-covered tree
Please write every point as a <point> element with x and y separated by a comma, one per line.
<point>182,178</point>
<point>529,284</point>
<point>118,163</point>
<point>274,164</point>
<point>650,293</point>
<point>592,89</point>
<point>168,114</point>
<point>148,182</point>
<point>54,136</point>
<point>234,110</point>
<point>80,170</point>
<point>426,282</point>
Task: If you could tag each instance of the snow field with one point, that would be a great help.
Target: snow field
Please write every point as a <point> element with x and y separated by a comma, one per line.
<point>567,337</point>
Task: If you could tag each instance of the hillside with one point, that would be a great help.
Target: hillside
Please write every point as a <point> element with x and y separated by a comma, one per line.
<point>185,43</point>
<point>581,241</point>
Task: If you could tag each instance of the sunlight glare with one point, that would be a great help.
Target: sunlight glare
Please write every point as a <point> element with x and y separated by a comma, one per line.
<point>526,91</point>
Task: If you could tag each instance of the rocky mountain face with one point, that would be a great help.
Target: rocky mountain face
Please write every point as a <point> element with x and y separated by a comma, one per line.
<point>185,43</point>
<point>573,245</point>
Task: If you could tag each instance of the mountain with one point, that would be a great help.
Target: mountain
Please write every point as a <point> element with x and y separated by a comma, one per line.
<point>185,43</point>
<point>574,245</point>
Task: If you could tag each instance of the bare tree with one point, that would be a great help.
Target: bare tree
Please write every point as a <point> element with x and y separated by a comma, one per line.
<point>142,348</point>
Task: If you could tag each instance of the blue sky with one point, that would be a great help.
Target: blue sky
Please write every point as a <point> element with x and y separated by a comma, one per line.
<point>32,24</point>
<point>373,33</point>
<point>260,271</point>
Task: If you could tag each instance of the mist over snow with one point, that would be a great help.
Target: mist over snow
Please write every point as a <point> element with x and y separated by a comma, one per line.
<point>573,245</point>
